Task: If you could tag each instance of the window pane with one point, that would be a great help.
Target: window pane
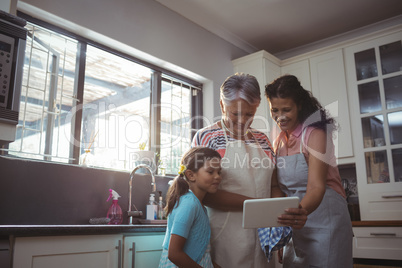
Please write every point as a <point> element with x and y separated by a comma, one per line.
<point>395,127</point>
<point>46,96</point>
<point>116,109</point>
<point>377,167</point>
<point>366,66</point>
<point>397,159</point>
<point>369,97</point>
<point>393,92</point>
<point>391,57</point>
<point>373,131</point>
<point>175,123</point>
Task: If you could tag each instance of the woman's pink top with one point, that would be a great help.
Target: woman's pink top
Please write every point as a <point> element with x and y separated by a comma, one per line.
<point>292,147</point>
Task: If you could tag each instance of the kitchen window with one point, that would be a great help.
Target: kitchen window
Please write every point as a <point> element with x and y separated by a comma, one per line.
<point>81,101</point>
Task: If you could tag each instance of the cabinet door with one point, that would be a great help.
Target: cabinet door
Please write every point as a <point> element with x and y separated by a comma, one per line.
<point>299,69</point>
<point>328,85</point>
<point>374,75</point>
<point>67,251</point>
<point>377,243</point>
<point>143,250</point>
<point>265,68</point>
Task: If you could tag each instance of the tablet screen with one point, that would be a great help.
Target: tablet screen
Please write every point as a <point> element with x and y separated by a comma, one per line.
<point>264,212</point>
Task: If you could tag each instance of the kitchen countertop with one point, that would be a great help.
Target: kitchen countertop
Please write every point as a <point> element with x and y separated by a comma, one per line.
<point>376,223</point>
<point>89,229</point>
<point>40,230</point>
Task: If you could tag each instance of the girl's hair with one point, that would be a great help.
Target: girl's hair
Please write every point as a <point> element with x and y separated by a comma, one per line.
<point>193,160</point>
<point>243,86</point>
<point>311,112</point>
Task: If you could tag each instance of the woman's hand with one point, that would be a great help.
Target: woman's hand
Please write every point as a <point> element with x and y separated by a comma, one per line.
<point>280,255</point>
<point>294,217</point>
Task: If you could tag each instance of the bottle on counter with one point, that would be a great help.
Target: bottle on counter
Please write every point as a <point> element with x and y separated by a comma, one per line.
<point>152,208</point>
<point>114,213</point>
<point>161,206</point>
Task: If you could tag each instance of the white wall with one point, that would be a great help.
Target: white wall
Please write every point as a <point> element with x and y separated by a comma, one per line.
<point>8,6</point>
<point>5,5</point>
<point>148,30</point>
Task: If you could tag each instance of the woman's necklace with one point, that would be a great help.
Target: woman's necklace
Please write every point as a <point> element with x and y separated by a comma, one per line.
<point>231,132</point>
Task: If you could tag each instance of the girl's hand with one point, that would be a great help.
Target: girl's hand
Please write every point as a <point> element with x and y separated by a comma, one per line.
<point>294,217</point>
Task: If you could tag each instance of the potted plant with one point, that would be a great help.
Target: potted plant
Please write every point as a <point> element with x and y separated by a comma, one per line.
<point>161,165</point>
<point>144,157</point>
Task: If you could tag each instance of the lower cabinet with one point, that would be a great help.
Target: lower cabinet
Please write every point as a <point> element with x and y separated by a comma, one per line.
<point>143,250</point>
<point>377,243</point>
<point>83,251</point>
<point>5,253</point>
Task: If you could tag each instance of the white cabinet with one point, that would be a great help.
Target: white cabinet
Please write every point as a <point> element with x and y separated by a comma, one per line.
<point>301,70</point>
<point>68,251</point>
<point>328,84</point>
<point>377,243</point>
<point>265,68</point>
<point>324,76</point>
<point>86,251</point>
<point>143,250</point>
<point>374,75</point>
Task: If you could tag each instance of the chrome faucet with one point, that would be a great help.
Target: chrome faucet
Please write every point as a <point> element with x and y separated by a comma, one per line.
<point>130,184</point>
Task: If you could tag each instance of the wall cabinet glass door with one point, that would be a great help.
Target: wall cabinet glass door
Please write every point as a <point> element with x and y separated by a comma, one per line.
<point>374,75</point>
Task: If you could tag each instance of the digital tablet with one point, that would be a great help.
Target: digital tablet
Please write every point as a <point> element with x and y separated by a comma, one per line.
<point>264,212</point>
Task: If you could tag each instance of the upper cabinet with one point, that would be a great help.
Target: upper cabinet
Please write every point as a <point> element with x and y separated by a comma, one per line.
<point>328,84</point>
<point>374,75</point>
<point>324,76</point>
<point>265,68</point>
<point>301,70</point>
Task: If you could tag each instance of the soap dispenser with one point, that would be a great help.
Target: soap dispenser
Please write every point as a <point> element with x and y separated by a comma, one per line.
<point>114,213</point>
<point>152,208</point>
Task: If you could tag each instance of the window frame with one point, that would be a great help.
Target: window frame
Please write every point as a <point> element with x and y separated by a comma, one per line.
<point>159,74</point>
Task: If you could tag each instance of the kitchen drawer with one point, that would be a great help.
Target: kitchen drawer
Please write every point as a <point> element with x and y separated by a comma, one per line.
<point>377,243</point>
<point>380,205</point>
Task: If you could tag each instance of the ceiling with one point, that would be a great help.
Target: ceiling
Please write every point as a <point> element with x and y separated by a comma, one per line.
<point>282,25</point>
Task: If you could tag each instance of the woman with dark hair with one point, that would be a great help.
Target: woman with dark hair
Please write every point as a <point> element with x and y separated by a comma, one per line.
<point>306,167</point>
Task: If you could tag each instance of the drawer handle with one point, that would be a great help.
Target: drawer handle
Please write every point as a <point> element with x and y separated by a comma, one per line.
<point>383,234</point>
<point>119,254</point>
<point>133,256</point>
<point>392,196</point>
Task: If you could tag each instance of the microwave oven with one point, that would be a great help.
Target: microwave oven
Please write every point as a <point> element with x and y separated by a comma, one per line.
<point>12,51</point>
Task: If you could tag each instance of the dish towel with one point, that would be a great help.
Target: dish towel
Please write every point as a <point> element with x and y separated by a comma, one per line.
<point>274,238</point>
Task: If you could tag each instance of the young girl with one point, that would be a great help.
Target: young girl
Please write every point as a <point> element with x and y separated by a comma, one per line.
<point>188,232</point>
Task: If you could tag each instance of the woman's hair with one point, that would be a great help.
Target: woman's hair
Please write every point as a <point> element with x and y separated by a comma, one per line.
<point>311,112</point>
<point>193,160</point>
<point>243,86</point>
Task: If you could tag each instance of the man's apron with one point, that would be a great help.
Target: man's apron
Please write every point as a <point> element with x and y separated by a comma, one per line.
<point>246,170</point>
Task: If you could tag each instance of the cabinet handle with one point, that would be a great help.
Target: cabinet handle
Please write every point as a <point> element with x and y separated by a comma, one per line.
<point>133,256</point>
<point>383,234</point>
<point>392,196</point>
<point>119,254</point>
